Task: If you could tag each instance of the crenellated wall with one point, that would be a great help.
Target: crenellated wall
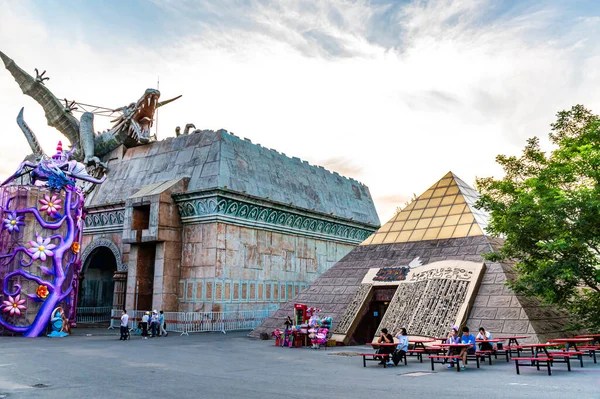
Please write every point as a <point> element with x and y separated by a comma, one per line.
<point>213,222</point>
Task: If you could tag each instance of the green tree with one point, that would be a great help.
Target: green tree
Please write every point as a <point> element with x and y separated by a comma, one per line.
<point>547,210</point>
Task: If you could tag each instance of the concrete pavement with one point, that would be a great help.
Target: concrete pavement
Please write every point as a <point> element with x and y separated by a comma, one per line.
<point>234,366</point>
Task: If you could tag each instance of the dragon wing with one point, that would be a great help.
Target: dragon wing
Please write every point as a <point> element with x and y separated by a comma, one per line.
<point>56,114</point>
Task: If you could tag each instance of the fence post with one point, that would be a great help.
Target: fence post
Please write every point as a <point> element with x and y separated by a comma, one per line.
<point>185,327</point>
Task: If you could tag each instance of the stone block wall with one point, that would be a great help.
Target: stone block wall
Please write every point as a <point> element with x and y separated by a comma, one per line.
<point>227,267</point>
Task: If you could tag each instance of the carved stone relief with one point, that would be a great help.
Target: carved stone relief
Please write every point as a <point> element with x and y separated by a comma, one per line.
<point>426,308</point>
<point>353,309</point>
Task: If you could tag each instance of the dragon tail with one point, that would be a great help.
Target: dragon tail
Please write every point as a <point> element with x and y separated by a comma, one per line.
<point>31,139</point>
<point>56,114</point>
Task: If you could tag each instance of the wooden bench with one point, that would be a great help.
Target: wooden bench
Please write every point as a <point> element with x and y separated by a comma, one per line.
<point>484,353</point>
<point>503,351</point>
<point>418,352</point>
<point>375,358</point>
<point>444,359</point>
<point>515,350</point>
<point>434,349</point>
<point>567,356</point>
<point>475,356</point>
<point>591,349</point>
<point>535,361</point>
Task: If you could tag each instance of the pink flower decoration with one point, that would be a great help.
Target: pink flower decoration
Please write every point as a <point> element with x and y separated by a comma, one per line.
<point>51,205</point>
<point>12,222</point>
<point>41,248</point>
<point>14,305</point>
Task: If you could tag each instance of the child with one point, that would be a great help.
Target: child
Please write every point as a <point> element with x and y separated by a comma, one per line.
<point>453,338</point>
<point>467,338</point>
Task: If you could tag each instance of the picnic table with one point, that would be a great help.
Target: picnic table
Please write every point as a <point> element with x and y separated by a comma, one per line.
<point>489,341</point>
<point>419,343</point>
<point>537,348</point>
<point>384,357</point>
<point>513,340</point>
<point>453,356</point>
<point>454,347</point>
<point>382,344</point>
<point>579,352</point>
<point>573,341</point>
<point>595,337</point>
<point>377,345</point>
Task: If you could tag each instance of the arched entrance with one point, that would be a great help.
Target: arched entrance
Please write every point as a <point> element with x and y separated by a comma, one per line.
<point>97,285</point>
<point>101,282</point>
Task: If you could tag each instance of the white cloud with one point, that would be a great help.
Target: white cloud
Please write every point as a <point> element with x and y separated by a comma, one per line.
<point>406,92</point>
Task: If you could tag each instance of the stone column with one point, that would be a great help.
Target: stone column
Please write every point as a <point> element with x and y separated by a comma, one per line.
<point>120,278</point>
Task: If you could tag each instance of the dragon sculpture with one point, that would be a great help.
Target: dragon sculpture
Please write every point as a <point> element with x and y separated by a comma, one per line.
<point>131,128</point>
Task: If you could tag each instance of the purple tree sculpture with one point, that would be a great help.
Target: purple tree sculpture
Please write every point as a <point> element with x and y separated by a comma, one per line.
<point>40,241</point>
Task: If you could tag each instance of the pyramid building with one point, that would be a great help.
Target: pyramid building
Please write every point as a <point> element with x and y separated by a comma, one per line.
<point>424,270</point>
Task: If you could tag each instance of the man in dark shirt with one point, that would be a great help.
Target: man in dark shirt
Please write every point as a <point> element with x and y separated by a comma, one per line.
<point>385,338</point>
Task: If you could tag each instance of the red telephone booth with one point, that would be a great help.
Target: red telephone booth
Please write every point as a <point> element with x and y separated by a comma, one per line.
<point>300,314</point>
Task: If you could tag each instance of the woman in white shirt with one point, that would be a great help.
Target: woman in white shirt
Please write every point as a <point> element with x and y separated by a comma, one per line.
<point>402,347</point>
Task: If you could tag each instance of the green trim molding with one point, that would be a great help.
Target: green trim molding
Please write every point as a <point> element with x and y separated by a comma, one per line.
<point>243,210</point>
<point>221,205</point>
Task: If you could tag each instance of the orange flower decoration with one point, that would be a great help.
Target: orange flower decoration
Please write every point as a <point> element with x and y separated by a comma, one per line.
<point>42,291</point>
<point>75,247</point>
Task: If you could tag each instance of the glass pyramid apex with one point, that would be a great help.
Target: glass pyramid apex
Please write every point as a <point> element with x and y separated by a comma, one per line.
<point>445,210</point>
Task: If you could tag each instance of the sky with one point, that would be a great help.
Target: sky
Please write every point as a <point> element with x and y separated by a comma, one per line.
<point>391,93</point>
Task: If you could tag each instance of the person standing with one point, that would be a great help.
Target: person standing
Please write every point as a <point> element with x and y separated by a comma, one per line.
<point>145,319</point>
<point>124,321</point>
<point>289,323</point>
<point>154,322</point>
<point>161,321</point>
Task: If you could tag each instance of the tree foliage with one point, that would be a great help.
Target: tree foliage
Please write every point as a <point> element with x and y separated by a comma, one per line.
<point>547,210</point>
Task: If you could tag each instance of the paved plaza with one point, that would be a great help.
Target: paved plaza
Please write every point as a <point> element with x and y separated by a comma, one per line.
<point>234,366</point>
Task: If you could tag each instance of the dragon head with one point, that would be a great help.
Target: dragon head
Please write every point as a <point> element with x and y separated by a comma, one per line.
<point>137,118</point>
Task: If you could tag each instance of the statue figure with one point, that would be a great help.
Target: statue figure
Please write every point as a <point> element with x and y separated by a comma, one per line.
<point>55,172</point>
<point>131,127</point>
<point>59,323</point>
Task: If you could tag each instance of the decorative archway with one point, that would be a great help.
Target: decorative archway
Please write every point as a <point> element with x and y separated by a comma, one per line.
<point>103,277</point>
<point>103,242</point>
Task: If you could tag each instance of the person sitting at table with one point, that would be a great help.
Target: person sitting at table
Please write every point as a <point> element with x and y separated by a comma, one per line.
<point>467,338</point>
<point>385,338</point>
<point>484,335</point>
<point>453,338</point>
<point>402,347</point>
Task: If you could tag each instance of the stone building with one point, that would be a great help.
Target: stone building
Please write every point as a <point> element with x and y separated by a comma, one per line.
<point>424,270</point>
<point>212,222</point>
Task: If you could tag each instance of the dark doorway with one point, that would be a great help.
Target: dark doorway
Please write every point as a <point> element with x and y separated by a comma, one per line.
<point>145,276</point>
<point>372,315</point>
<point>97,287</point>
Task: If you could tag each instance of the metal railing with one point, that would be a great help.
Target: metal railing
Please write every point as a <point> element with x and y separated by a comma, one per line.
<point>93,314</point>
<point>192,322</point>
